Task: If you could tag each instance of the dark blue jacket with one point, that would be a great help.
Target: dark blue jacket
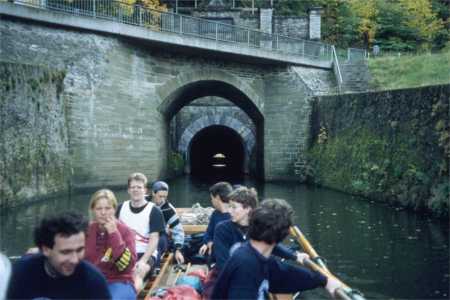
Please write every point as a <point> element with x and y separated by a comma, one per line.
<point>228,235</point>
<point>29,281</point>
<point>216,218</point>
<point>250,275</point>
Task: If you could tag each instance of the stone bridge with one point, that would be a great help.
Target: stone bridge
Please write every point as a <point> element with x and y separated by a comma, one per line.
<point>122,96</point>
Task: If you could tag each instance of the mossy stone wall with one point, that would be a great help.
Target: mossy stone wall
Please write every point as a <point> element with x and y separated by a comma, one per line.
<point>390,146</point>
<point>34,160</point>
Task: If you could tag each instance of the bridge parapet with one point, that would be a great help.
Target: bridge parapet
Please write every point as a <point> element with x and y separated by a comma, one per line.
<point>226,38</point>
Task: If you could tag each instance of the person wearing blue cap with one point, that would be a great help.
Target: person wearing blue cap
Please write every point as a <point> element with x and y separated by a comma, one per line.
<point>174,228</point>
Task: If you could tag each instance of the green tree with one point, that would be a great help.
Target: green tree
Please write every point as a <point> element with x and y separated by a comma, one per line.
<point>393,34</point>
<point>423,20</point>
<point>365,12</point>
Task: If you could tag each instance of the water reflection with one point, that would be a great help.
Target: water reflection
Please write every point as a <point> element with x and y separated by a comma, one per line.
<point>383,252</point>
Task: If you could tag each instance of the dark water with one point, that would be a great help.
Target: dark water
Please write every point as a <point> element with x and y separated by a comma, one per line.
<point>383,252</point>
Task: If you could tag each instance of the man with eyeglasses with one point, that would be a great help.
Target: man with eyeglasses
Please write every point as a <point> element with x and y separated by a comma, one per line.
<point>147,221</point>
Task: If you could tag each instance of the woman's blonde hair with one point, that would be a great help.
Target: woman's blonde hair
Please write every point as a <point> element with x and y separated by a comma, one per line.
<point>103,193</point>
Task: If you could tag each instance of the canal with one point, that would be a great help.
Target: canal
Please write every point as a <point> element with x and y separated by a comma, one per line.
<point>384,252</point>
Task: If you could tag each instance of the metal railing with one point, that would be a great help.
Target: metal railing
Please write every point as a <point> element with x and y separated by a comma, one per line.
<point>185,25</point>
<point>337,69</point>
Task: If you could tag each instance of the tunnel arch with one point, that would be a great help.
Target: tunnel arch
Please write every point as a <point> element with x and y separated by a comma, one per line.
<point>246,134</point>
<point>216,150</point>
<point>187,87</point>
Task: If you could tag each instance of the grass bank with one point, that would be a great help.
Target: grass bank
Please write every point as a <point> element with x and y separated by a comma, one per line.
<point>408,71</point>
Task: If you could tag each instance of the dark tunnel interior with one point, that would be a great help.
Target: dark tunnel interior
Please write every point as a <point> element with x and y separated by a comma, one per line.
<point>217,150</point>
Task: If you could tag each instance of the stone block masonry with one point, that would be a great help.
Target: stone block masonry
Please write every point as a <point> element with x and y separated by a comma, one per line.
<point>34,159</point>
<point>120,95</point>
<point>389,146</point>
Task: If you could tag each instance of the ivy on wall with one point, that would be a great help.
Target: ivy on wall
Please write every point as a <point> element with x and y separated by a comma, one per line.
<point>390,146</point>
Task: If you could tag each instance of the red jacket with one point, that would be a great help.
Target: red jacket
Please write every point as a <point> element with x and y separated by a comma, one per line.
<point>114,254</point>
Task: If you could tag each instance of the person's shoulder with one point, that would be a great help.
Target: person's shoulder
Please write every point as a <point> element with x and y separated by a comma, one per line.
<point>92,271</point>
<point>224,226</point>
<point>28,261</point>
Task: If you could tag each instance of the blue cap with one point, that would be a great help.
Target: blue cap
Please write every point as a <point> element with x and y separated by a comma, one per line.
<point>160,186</point>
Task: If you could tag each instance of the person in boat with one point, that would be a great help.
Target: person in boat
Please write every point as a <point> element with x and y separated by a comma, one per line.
<point>147,221</point>
<point>219,193</point>
<point>58,271</point>
<point>252,272</point>
<point>230,234</point>
<point>110,245</point>
<point>174,228</point>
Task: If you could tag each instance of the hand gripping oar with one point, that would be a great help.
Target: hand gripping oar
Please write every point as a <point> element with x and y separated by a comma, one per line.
<point>316,263</point>
<point>295,231</point>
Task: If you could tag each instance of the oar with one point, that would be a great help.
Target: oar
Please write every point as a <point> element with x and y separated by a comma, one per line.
<point>295,231</point>
<point>346,292</point>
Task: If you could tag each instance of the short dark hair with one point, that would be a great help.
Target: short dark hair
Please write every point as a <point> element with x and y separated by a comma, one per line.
<point>248,197</point>
<point>65,224</point>
<point>270,221</point>
<point>221,189</point>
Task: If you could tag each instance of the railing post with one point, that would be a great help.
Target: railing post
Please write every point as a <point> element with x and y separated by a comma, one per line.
<point>93,8</point>
<point>276,45</point>
<point>140,15</point>
<point>217,31</point>
<point>303,48</point>
<point>248,37</point>
<point>181,24</point>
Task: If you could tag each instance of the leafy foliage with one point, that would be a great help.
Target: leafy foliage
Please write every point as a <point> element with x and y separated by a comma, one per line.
<point>151,4</point>
<point>395,25</point>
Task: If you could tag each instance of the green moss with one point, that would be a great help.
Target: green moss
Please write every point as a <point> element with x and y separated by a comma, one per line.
<point>176,163</point>
<point>380,167</point>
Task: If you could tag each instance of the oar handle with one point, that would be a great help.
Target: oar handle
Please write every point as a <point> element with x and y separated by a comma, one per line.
<point>318,265</point>
<point>340,293</point>
<point>307,247</point>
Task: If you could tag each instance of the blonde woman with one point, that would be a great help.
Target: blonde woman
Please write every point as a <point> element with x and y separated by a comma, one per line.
<point>110,245</point>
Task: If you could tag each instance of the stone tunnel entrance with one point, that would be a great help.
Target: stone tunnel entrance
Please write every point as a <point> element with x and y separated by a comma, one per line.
<point>215,126</point>
<point>217,150</point>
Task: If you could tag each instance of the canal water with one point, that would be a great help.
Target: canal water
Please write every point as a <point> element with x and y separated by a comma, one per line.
<point>384,252</point>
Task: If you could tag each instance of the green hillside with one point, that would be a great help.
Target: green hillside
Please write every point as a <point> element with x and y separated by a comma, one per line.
<point>395,72</point>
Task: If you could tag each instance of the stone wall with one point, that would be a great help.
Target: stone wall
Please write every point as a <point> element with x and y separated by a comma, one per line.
<point>115,89</point>
<point>121,93</point>
<point>287,110</point>
<point>34,160</point>
<point>296,27</point>
<point>390,146</point>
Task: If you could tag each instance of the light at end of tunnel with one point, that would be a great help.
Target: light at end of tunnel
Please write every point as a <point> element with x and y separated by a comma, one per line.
<point>219,155</point>
<point>219,165</point>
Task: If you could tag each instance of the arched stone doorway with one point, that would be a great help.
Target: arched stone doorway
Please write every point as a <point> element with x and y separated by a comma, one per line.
<point>223,140</point>
<point>189,87</point>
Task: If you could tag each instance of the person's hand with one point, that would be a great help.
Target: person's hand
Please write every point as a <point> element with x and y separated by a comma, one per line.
<point>203,249</point>
<point>301,256</point>
<point>179,256</point>
<point>332,285</point>
<point>141,268</point>
<point>110,225</point>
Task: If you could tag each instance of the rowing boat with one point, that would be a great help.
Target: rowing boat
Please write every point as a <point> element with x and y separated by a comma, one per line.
<point>170,272</point>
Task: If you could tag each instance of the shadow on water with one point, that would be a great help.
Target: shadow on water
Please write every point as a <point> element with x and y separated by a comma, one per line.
<point>384,252</point>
